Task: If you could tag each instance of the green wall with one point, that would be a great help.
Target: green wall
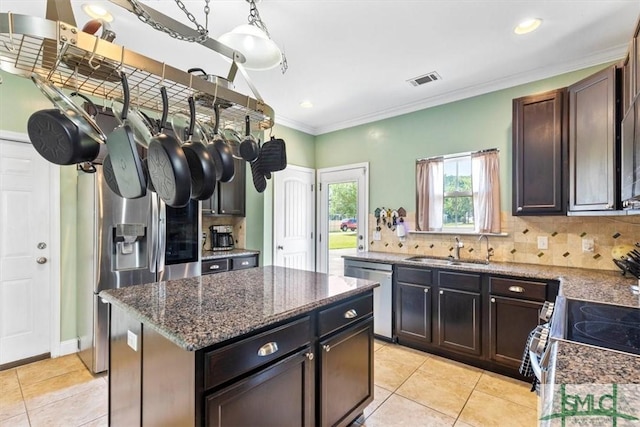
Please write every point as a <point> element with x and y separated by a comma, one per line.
<point>393,145</point>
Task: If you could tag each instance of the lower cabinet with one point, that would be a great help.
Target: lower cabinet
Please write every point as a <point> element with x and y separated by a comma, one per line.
<point>459,320</point>
<point>346,380</point>
<point>477,318</point>
<point>280,395</point>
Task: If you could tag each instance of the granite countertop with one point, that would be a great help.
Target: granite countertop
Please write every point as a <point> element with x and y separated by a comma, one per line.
<point>576,283</point>
<point>201,311</point>
<point>231,253</point>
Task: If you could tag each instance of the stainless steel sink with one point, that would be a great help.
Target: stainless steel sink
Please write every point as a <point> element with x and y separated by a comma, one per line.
<point>442,261</point>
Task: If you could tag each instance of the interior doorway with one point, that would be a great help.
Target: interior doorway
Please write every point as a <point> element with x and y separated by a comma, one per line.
<point>343,199</point>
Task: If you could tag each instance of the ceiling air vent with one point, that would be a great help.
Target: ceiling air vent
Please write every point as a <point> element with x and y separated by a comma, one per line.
<point>427,78</point>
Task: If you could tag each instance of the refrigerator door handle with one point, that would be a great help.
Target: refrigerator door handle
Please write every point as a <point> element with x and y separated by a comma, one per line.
<point>154,225</point>
<point>162,235</point>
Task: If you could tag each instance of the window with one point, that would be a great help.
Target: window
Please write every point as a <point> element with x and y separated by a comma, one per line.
<point>457,211</point>
<point>459,193</point>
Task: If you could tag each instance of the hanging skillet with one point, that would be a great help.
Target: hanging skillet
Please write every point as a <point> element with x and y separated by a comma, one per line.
<point>168,166</point>
<point>64,135</point>
<point>201,165</point>
<point>221,152</point>
<point>123,156</point>
<point>249,149</point>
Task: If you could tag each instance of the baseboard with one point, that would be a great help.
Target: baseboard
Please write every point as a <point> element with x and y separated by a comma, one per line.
<point>67,347</point>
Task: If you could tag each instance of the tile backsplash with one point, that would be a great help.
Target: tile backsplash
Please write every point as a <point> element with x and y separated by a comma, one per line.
<point>564,236</point>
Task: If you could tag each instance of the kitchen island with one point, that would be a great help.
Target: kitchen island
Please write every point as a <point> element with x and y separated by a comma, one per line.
<point>262,346</point>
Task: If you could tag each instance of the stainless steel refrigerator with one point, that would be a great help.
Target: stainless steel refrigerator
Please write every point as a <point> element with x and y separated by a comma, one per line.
<point>122,243</point>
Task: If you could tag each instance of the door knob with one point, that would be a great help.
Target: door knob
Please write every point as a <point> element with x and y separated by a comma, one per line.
<point>41,260</point>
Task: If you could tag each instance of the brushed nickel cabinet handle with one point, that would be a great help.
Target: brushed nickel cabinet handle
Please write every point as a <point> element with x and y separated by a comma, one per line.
<point>244,263</point>
<point>268,349</point>
<point>518,289</point>
<point>350,314</point>
<point>214,267</point>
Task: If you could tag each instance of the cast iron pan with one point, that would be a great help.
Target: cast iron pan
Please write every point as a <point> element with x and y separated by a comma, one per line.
<point>221,152</point>
<point>168,166</point>
<point>123,154</point>
<point>201,165</point>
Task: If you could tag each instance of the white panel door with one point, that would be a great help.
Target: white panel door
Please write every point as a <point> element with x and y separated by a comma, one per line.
<point>294,218</point>
<point>25,310</point>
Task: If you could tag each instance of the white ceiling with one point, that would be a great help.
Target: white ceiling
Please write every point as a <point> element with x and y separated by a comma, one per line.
<point>352,59</point>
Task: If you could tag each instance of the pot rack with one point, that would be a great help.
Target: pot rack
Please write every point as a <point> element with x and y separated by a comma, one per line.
<point>82,62</point>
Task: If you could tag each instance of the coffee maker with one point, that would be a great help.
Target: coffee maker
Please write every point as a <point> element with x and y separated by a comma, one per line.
<point>221,237</point>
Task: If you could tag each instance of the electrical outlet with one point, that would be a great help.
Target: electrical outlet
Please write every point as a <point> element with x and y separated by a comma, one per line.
<point>588,245</point>
<point>132,340</point>
<point>543,242</point>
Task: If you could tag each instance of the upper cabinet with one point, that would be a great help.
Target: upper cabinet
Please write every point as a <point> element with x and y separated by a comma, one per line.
<point>230,197</point>
<point>540,154</point>
<point>594,145</point>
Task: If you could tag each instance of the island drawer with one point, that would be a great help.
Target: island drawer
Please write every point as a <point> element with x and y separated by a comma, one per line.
<point>518,288</point>
<point>243,262</point>
<point>215,265</point>
<point>239,358</point>
<point>345,313</point>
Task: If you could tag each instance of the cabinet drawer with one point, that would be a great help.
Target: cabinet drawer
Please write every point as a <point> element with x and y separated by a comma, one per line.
<point>462,281</point>
<point>517,288</point>
<point>420,276</point>
<point>242,262</point>
<point>236,359</point>
<point>345,313</point>
<point>215,266</point>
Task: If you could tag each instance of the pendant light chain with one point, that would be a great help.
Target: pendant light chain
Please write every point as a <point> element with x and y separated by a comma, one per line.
<point>254,19</point>
<point>147,19</point>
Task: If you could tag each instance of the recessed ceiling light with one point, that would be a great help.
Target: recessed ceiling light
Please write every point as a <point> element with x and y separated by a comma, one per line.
<point>527,26</point>
<point>306,104</point>
<point>97,12</point>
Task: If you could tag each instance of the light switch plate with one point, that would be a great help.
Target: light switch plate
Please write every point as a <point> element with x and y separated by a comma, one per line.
<point>376,235</point>
<point>132,340</point>
<point>543,242</point>
<point>588,245</point>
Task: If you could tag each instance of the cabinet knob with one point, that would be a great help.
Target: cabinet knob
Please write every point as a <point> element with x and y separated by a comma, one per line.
<point>309,356</point>
<point>493,300</point>
<point>327,348</point>
<point>519,209</point>
<point>350,314</point>
<point>268,349</point>
<point>426,290</point>
<point>609,206</point>
<point>441,292</point>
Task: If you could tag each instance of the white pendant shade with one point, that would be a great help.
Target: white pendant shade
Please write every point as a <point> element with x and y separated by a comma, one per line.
<point>260,51</point>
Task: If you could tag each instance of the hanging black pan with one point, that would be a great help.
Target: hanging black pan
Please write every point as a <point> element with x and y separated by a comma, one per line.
<point>249,148</point>
<point>123,155</point>
<point>67,134</point>
<point>221,152</point>
<point>168,166</point>
<point>201,165</point>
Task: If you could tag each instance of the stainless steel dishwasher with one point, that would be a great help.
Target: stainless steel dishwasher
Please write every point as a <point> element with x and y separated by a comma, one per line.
<point>382,295</point>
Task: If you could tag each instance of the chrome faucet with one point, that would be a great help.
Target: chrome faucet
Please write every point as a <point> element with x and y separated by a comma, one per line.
<point>456,247</point>
<point>489,250</point>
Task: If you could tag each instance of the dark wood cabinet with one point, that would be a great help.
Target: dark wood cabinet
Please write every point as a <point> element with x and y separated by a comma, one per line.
<point>510,322</point>
<point>459,320</point>
<point>413,311</point>
<point>594,160</point>
<point>229,197</point>
<point>540,154</point>
<point>280,395</point>
<point>346,379</point>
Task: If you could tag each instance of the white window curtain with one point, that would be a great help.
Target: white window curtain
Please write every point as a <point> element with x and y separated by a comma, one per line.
<point>485,170</point>
<point>430,188</point>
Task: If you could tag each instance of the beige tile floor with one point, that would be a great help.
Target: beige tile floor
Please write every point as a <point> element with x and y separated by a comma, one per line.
<point>412,388</point>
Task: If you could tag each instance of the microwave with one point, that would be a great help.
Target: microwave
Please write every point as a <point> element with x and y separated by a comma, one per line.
<point>630,164</point>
